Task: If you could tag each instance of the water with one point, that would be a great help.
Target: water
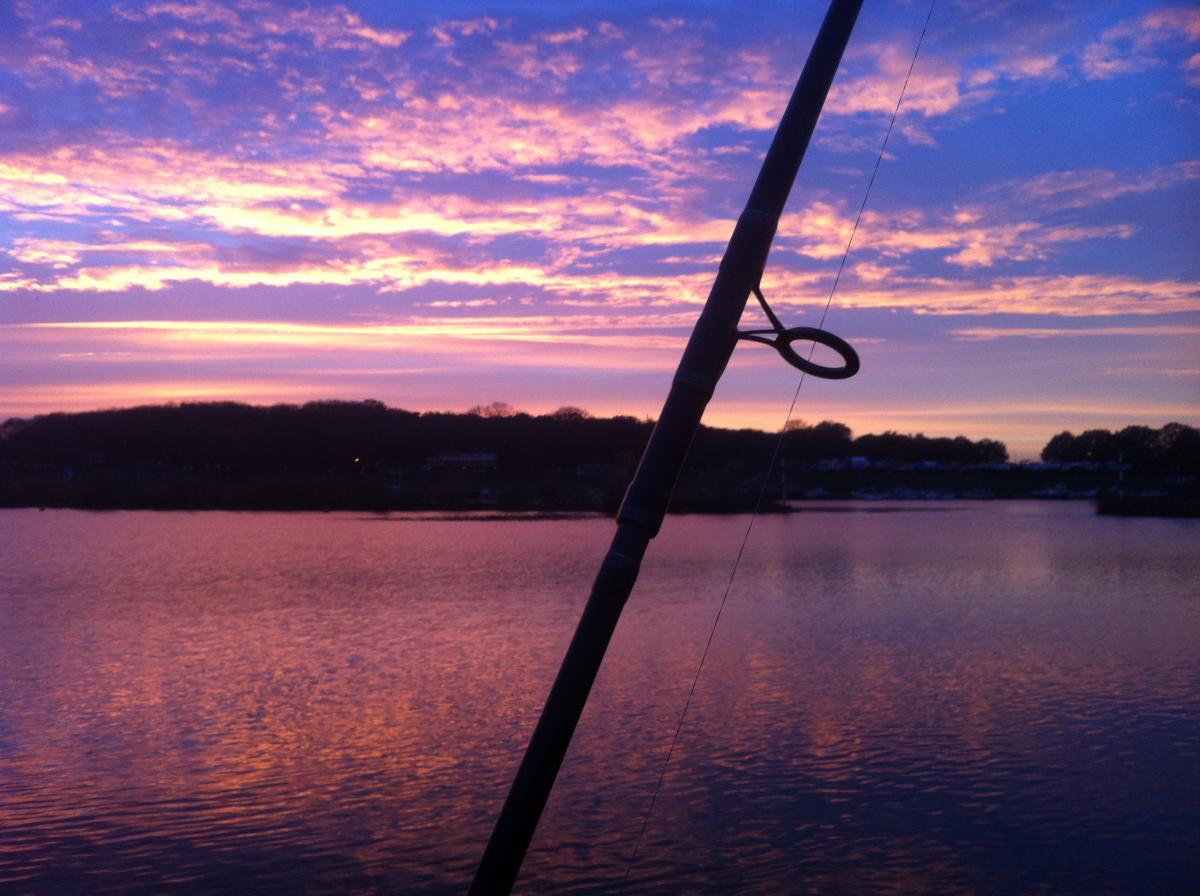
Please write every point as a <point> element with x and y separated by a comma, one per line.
<point>952,698</point>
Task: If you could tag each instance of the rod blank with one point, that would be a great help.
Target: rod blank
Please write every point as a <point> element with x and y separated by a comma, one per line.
<point>704,360</point>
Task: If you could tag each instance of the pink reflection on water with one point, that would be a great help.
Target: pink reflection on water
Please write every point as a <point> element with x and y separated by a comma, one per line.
<point>894,701</point>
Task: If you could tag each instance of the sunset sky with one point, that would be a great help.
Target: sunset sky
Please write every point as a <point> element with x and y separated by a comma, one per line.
<point>439,205</point>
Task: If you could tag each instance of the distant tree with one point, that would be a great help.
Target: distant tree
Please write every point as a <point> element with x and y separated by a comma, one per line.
<point>899,448</point>
<point>12,425</point>
<point>1179,448</point>
<point>889,446</point>
<point>833,430</point>
<point>1097,445</point>
<point>1138,446</point>
<point>1060,448</point>
<point>1174,448</point>
<point>826,440</point>
<point>990,451</point>
<point>570,413</point>
<point>1092,445</point>
<point>495,409</point>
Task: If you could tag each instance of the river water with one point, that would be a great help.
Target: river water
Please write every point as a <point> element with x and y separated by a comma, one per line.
<point>900,698</point>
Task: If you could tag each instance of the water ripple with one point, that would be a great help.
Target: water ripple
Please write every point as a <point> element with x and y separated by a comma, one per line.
<point>1004,699</point>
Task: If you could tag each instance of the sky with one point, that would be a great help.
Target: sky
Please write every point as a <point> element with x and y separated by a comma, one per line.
<point>440,205</point>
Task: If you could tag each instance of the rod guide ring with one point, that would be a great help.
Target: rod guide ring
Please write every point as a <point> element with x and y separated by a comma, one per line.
<point>781,338</point>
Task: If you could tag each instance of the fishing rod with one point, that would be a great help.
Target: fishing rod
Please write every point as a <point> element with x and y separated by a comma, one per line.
<point>704,360</point>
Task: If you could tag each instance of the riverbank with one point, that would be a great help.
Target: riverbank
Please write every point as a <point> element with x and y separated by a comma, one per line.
<point>698,492</point>
<point>1182,504</point>
<point>366,457</point>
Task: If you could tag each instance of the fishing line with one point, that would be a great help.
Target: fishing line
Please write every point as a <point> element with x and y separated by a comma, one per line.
<point>775,453</point>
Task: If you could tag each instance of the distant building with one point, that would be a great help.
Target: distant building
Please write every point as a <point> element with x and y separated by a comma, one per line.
<point>594,470</point>
<point>461,463</point>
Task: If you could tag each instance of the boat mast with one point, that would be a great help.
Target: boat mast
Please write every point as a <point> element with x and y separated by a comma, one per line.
<point>641,514</point>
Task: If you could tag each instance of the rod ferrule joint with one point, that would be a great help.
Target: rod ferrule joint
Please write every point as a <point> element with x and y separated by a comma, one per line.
<point>698,381</point>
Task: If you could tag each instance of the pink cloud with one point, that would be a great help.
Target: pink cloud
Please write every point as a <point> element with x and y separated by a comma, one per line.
<point>1083,187</point>
<point>333,26</point>
<point>1134,45</point>
<point>447,33</point>
<point>570,36</point>
<point>1039,67</point>
<point>936,89</point>
<point>1068,295</point>
<point>372,243</point>
<point>990,333</point>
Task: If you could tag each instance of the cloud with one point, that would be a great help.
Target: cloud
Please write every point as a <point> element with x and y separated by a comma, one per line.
<point>61,254</point>
<point>1150,371</point>
<point>521,341</point>
<point>1037,67</point>
<point>965,237</point>
<point>89,395</point>
<point>540,190</point>
<point>991,333</point>
<point>447,34</point>
<point>241,223</point>
<point>1067,295</point>
<point>326,27</point>
<point>178,51</point>
<point>1136,44</point>
<point>1080,188</point>
<point>153,181</point>
<point>569,36</point>
<point>947,85</point>
<point>933,91</point>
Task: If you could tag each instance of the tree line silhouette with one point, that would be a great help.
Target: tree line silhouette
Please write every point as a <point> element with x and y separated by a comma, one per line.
<point>324,436</point>
<point>1175,448</point>
<point>365,455</point>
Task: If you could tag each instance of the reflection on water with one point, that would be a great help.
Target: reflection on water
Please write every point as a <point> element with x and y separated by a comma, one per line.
<point>998,698</point>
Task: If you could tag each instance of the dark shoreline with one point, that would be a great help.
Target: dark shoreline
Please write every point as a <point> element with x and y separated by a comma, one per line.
<point>556,492</point>
<point>366,457</point>
<point>1180,506</point>
<point>1177,507</point>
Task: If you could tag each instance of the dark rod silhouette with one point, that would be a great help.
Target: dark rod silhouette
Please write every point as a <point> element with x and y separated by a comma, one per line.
<point>641,514</point>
